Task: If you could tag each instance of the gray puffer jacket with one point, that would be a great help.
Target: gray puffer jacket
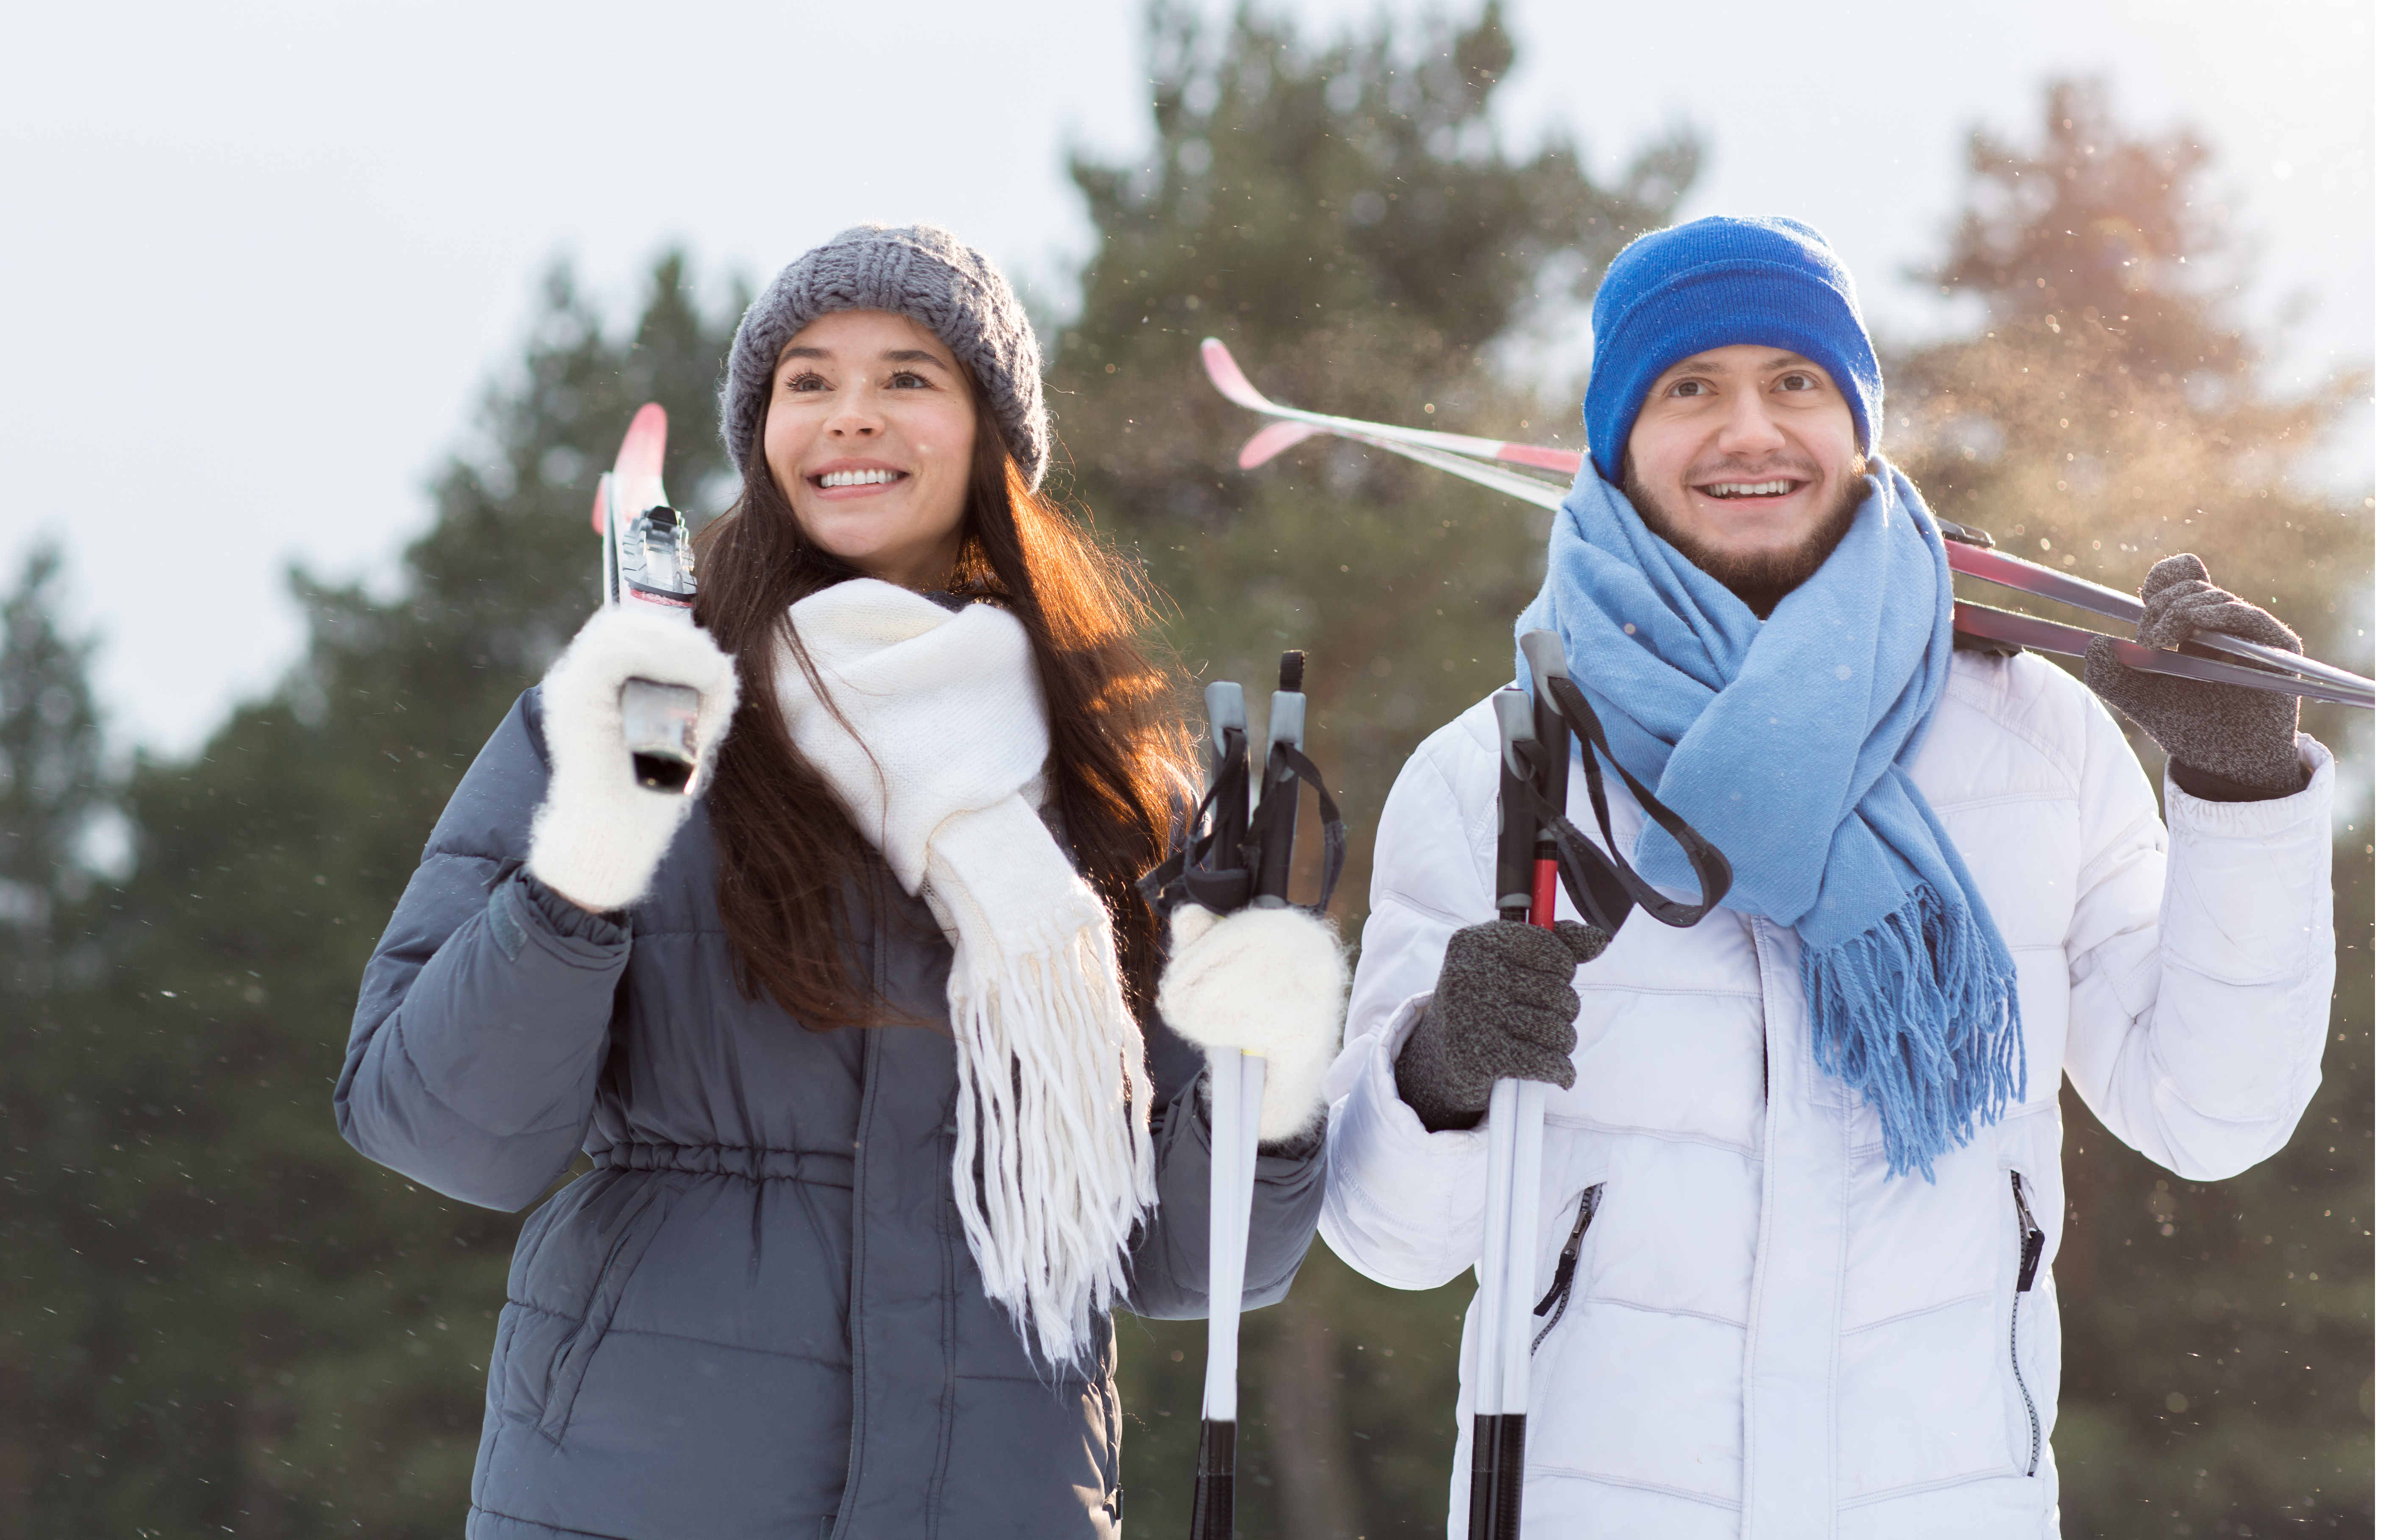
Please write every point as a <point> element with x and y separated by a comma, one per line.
<point>757,1316</point>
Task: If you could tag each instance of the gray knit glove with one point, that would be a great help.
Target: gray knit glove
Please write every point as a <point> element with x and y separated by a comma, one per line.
<point>2244,737</point>
<point>1502,1010</point>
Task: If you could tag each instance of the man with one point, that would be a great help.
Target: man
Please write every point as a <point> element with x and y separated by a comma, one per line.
<point>1806,1154</point>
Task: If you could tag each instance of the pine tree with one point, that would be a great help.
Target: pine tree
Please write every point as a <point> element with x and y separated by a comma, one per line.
<point>53,795</point>
<point>256,1329</point>
<point>52,788</point>
<point>1343,216</point>
<point>2217,1335</point>
<point>2113,412</point>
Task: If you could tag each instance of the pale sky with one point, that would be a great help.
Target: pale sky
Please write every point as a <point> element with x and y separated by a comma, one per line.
<point>263,258</point>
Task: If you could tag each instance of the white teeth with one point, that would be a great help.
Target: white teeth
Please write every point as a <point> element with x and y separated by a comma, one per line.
<point>1747,489</point>
<point>856,478</point>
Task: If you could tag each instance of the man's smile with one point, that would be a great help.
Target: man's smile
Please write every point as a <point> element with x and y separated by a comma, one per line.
<point>1779,487</point>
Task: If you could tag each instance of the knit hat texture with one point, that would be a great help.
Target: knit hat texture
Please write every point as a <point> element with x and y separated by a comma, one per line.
<point>1715,282</point>
<point>922,271</point>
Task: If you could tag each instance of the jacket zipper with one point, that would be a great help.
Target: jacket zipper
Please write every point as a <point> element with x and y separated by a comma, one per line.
<point>1553,1304</point>
<point>2033,1243</point>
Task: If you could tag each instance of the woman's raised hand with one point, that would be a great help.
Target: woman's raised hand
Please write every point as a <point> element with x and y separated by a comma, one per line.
<point>598,836</point>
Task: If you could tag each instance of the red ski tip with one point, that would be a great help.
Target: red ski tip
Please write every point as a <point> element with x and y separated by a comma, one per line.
<point>1228,375</point>
<point>1566,462</point>
<point>1271,441</point>
<point>641,458</point>
<point>596,514</point>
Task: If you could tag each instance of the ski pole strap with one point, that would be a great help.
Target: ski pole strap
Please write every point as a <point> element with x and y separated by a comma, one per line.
<point>1195,871</point>
<point>1279,800</point>
<point>1222,889</point>
<point>1601,882</point>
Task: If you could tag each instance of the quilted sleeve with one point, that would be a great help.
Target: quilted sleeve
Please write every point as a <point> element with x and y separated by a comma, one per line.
<point>1171,1254</point>
<point>2201,974</point>
<point>1403,1206</point>
<point>483,1017</point>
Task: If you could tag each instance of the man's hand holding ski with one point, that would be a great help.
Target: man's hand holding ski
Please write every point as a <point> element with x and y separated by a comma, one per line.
<point>2243,738</point>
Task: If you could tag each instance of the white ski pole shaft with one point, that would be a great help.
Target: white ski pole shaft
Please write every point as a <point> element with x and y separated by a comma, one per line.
<point>1524,1242</point>
<point>1504,1303</point>
<point>1238,1081</point>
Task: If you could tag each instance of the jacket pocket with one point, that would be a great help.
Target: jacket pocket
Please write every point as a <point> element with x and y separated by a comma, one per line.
<point>1552,1307</point>
<point>635,1233</point>
<point>2032,1245</point>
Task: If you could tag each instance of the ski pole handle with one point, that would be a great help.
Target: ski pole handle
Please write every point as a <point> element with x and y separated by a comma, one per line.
<point>1545,656</point>
<point>1228,720</point>
<point>1519,825</point>
<point>1288,721</point>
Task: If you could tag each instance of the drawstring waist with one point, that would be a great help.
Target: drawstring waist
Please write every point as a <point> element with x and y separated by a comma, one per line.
<point>823,1168</point>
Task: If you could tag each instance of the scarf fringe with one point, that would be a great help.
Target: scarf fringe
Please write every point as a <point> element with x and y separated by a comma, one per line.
<point>1050,1176</point>
<point>1918,1014</point>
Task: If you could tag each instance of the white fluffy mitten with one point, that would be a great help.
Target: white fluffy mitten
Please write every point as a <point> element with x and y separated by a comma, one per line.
<point>599,836</point>
<point>1269,981</point>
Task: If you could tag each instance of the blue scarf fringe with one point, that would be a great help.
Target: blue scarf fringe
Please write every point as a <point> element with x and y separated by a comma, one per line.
<point>1788,743</point>
<point>1935,1049</point>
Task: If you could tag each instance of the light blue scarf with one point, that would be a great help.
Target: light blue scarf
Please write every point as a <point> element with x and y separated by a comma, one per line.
<point>1787,742</point>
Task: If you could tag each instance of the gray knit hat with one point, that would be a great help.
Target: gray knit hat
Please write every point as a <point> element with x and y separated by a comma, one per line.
<point>923,271</point>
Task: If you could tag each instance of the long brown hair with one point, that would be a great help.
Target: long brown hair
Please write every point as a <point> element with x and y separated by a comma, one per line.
<point>792,866</point>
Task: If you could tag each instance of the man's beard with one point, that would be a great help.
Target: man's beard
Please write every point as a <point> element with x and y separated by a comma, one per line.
<point>1761,578</point>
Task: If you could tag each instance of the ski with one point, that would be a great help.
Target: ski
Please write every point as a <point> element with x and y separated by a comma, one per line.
<point>2049,636</point>
<point>1969,551</point>
<point>1230,1100</point>
<point>2028,577</point>
<point>649,561</point>
<point>1232,384</point>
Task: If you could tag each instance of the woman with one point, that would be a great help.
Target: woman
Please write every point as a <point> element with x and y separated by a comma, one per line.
<point>857,1034</point>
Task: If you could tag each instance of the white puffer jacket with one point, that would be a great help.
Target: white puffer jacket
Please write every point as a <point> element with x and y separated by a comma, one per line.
<point>1765,1338</point>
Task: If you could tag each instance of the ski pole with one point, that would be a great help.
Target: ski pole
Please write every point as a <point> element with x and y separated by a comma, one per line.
<point>649,561</point>
<point>1533,759</point>
<point>1234,1105</point>
<point>1245,859</point>
<point>1238,1081</point>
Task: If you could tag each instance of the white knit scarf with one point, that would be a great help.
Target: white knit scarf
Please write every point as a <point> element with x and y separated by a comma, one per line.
<point>941,767</point>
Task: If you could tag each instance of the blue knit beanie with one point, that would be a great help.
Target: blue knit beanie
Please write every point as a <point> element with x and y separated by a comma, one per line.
<point>1711,284</point>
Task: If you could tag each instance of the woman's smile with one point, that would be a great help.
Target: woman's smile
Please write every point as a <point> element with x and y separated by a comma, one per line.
<point>844,480</point>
